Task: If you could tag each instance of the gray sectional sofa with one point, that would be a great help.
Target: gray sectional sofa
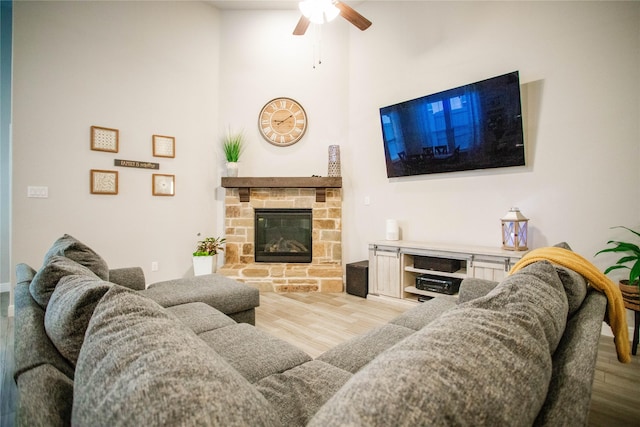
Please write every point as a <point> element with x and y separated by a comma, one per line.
<point>521,352</point>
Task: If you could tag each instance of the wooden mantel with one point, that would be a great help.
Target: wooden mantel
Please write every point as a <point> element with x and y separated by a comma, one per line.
<point>320,183</point>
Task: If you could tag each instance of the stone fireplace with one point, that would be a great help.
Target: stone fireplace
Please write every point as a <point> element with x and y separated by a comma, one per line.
<point>248,199</point>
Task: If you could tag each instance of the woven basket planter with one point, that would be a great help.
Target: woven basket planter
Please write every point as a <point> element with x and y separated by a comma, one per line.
<point>630,295</point>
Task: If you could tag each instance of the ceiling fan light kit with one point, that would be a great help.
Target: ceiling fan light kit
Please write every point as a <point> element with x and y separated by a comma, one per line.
<point>321,11</point>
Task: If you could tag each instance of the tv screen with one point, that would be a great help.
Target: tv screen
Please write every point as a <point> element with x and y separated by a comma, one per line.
<point>476,126</point>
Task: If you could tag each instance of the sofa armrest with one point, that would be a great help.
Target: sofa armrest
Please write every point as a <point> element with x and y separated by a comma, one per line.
<point>24,273</point>
<point>472,288</point>
<point>32,346</point>
<point>574,365</point>
<point>129,277</point>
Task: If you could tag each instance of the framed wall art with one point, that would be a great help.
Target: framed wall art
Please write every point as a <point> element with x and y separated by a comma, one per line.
<point>104,182</point>
<point>104,139</point>
<point>164,146</point>
<point>164,185</point>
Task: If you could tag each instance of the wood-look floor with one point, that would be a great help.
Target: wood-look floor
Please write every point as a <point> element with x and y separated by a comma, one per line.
<point>316,322</point>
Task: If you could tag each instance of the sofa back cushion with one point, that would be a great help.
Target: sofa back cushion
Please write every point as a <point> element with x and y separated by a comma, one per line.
<point>69,311</point>
<point>47,278</point>
<point>484,362</point>
<point>574,284</point>
<point>139,365</point>
<point>70,247</point>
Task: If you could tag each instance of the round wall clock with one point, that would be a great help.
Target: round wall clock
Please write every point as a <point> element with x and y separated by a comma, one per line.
<point>282,121</point>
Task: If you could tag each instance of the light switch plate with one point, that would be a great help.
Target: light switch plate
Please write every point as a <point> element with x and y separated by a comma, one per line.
<point>38,192</point>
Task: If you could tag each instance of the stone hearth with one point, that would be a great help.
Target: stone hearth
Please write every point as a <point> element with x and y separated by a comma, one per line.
<point>324,273</point>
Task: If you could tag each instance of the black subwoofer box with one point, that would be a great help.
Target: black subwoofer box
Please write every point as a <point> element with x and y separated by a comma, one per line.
<point>358,278</point>
<point>437,264</point>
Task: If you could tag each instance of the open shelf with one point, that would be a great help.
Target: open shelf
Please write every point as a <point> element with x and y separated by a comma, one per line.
<point>415,291</point>
<point>462,273</point>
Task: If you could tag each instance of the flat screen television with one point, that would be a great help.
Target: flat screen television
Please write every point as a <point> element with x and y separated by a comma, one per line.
<point>476,126</point>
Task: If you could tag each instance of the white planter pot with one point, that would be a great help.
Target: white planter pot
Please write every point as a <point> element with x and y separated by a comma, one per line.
<point>204,265</point>
<point>232,169</point>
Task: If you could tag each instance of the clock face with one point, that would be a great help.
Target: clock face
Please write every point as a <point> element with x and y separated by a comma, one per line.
<point>282,121</point>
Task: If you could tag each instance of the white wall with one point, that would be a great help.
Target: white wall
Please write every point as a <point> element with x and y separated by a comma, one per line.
<point>262,60</point>
<point>144,68</point>
<point>147,68</point>
<point>579,64</point>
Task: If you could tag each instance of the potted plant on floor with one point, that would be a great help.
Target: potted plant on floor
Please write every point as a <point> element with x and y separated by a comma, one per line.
<point>232,146</point>
<point>631,260</point>
<point>204,258</point>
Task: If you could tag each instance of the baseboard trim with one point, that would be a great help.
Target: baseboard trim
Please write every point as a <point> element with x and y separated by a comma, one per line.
<point>606,330</point>
<point>5,287</point>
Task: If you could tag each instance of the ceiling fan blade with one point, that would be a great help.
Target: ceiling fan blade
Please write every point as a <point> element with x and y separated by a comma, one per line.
<point>302,26</point>
<point>352,16</point>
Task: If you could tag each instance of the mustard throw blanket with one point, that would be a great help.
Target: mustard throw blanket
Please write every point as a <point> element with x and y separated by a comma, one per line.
<point>616,314</point>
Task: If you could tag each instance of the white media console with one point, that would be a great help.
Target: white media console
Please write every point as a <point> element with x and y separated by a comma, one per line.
<point>392,273</point>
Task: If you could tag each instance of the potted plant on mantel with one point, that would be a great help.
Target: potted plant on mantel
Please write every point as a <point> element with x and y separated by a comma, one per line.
<point>232,146</point>
<point>205,255</point>
<point>630,287</point>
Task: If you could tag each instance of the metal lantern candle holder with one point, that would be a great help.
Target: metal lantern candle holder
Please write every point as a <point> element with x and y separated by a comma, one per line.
<point>514,231</point>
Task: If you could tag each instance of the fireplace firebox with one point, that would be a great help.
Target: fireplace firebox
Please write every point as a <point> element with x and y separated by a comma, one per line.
<point>283,235</point>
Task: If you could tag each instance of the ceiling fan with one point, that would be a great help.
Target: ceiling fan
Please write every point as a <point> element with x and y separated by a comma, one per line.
<point>320,11</point>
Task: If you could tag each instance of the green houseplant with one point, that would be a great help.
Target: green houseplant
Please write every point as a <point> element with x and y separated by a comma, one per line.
<point>631,260</point>
<point>205,254</point>
<point>232,147</point>
<point>209,246</point>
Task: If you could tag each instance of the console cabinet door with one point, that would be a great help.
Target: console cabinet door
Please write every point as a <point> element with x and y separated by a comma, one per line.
<point>384,273</point>
<point>487,271</point>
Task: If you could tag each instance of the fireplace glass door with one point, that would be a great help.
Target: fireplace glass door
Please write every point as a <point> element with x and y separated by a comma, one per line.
<point>283,235</point>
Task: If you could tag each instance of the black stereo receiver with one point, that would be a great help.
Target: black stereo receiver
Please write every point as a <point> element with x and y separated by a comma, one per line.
<point>440,284</point>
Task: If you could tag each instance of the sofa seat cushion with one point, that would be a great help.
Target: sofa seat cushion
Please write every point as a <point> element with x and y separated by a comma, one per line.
<point>221,293</point>
<point>47,278</point>
<point>200,317</point>
<point>420,316</point>
<point>355,353</point>
<point>46,398</point>
<point>492,365</point>
<point>70,247</point>
<point>140,366</point>
<point>69,312</point>
<point>252,352</point>
<point>298,393</point>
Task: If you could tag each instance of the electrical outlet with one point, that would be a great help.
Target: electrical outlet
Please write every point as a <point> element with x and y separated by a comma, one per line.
<point>367,200</point>
<point>154,266</point>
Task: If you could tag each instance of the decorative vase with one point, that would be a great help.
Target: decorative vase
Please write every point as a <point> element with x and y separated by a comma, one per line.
<point>334,160</point>
<point>232,169</point>
<point>204,265</point>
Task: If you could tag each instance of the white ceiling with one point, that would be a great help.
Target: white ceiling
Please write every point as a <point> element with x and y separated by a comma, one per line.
<point>264,4</point>
<point>252,4</point>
